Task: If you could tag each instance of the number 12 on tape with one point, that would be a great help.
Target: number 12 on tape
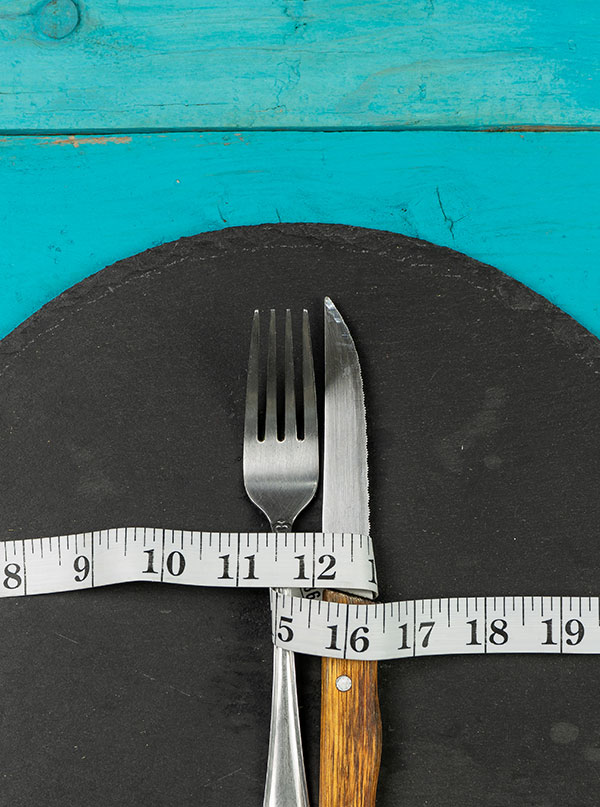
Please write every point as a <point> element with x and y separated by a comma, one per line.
<point>127,554</point>
<point>465,625</point>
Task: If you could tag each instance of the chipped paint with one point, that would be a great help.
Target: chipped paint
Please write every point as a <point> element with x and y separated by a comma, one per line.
<point>540,128</point>
<point>76,141</point>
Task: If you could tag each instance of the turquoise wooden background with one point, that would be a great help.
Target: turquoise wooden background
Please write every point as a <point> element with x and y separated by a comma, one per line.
<point>471,124</point>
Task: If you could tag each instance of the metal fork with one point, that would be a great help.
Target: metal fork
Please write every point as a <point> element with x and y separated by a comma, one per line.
<point>280,476</point>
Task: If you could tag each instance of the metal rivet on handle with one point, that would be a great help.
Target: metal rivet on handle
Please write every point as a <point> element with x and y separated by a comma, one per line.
<point>343,683</point>
<point>58,18</point>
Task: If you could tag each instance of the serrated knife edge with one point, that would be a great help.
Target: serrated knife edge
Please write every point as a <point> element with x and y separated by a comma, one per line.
<point>345,472</point>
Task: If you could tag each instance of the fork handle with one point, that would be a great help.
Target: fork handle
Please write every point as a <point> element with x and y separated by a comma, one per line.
<point>286,779</point>
<point>350,729</point>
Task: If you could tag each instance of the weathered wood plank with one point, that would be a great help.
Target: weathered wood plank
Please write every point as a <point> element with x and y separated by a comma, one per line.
<point>105,65</point>
<point>527,203</point>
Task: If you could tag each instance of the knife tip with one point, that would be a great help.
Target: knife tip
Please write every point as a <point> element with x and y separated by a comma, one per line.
<point>331,311</point>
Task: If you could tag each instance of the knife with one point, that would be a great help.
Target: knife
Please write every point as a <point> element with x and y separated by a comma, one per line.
<point>350,716</point>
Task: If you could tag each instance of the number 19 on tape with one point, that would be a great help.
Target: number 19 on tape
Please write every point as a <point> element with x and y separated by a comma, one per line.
<point>466,625</point>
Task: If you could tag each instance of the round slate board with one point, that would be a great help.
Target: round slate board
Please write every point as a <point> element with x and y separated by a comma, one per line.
<point>122,403</point>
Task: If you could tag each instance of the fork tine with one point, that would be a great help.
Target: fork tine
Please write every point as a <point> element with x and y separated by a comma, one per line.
<point>308,381</point>
<point>290,394</point>
<point>271,403</point>
<point>251,412</point>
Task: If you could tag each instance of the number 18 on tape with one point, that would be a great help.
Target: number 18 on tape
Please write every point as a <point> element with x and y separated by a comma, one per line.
<point>465,625</point>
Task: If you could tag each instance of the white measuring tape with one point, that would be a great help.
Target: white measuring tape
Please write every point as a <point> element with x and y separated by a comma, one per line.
<point>304,562</point>
<point>455,625</point>
<point>127,554</point>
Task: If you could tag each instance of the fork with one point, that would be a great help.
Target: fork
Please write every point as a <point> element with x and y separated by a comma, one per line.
<point>280,475</point>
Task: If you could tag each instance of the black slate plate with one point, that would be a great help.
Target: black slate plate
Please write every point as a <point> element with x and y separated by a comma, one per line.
<point>121,403</point>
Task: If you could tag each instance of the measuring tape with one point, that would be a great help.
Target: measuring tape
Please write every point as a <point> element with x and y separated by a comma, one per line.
<point>455,625</point>
<point>127,554</point>
<point>305,563</point>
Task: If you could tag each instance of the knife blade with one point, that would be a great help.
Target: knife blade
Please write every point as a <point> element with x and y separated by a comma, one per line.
<point>350,717</point>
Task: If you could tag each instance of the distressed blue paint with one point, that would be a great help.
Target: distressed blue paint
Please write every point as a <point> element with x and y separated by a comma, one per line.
<point>526,203</point>
<point>300,63</point>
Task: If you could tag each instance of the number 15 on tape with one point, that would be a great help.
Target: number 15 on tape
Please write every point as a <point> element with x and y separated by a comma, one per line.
<point>466,625</point>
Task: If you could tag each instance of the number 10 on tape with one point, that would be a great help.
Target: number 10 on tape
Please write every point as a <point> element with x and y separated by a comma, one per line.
<point>127,554</point>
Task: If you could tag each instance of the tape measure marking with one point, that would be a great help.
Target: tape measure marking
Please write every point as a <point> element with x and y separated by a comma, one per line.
<point>446,626</point>
<point>305,563</point>
<point>127,554</point>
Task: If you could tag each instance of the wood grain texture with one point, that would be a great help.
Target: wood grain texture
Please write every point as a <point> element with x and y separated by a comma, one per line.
<point>526,203</point>
<point>350,729</point>
<point>296,64</point>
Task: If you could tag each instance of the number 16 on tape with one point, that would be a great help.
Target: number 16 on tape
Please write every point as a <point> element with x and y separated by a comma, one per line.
<point>466,625</point>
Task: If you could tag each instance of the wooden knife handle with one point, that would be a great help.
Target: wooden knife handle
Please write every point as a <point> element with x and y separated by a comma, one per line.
<point>350,729</point>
